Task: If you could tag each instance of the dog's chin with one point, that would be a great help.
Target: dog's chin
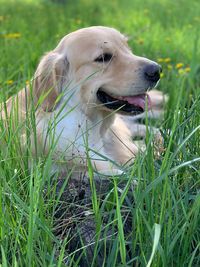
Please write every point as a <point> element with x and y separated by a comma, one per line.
<point>130,105</point>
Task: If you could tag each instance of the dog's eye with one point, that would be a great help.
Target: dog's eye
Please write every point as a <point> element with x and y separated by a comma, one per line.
<point>104,58</point>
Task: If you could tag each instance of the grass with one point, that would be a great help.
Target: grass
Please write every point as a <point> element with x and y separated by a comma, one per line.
<point>156,223</point>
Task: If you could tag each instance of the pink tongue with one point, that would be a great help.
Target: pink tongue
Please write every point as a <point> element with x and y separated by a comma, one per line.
<point>138,100</point>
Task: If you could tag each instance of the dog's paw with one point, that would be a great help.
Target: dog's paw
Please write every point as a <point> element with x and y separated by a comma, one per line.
<point>106,168</point>
<point>110,172</point>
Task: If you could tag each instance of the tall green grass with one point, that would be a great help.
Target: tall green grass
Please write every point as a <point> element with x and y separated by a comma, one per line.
<point>155,223</point>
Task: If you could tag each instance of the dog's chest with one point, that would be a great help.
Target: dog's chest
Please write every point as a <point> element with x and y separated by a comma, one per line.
<point>73,134</point>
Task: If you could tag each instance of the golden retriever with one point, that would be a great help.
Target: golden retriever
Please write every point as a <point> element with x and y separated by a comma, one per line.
<point>82,91</point>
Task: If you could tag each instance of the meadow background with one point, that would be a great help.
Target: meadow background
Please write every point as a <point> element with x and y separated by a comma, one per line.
<point>163,210</point>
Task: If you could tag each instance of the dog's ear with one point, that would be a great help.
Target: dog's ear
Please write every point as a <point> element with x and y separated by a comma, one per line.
<point>49,80</point>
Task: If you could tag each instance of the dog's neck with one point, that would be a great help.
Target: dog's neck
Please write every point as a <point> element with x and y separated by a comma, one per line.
<point>87,116</point>
<point>74,129</point>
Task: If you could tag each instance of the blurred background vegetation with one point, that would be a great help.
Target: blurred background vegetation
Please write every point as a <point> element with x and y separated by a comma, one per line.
<point>162,29</point>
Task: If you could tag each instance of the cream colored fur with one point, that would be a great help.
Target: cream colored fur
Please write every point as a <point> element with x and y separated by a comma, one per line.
<point>64,92</point>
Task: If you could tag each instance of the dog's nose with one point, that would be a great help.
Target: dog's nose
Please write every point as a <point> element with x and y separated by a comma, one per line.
<point>152,72</point>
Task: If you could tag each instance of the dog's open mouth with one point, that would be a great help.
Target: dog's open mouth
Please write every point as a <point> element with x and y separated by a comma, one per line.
<point>130,104</point>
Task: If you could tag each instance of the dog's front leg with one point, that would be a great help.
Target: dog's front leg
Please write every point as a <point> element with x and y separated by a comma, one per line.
<point>106,168</point>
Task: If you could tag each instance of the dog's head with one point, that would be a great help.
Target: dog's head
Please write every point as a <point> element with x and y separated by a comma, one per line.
<point>109,75</point>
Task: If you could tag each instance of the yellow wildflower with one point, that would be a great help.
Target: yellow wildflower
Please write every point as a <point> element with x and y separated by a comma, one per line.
<point>181,71</point>
<point>9,82</point>
<point>179,65</point>
<point>12,35</point>
<point>187,69</point>
<point>160,60</point>
<point>140,41</point>
<point>167,60</point>
<point>169,67</point>
<point>161,75</point>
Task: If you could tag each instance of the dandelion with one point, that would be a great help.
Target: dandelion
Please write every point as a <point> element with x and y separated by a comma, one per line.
<point>187,69</point>
<point>181,71</point>
<point>12,35</point>
<point>160,60</point>
<point>179,65</point>
<point>9,82</point>
<point>167,60</point>
<point>169,67</point>
<point>140,41</point>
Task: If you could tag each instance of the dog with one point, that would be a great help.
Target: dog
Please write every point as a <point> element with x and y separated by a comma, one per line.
<point>88,94</point>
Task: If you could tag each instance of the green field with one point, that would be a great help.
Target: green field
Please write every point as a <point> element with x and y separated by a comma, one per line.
<point>156,223</point>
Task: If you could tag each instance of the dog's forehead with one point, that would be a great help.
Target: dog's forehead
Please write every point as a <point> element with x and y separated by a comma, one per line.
<point>94,37</point>
<point>99,33</point>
